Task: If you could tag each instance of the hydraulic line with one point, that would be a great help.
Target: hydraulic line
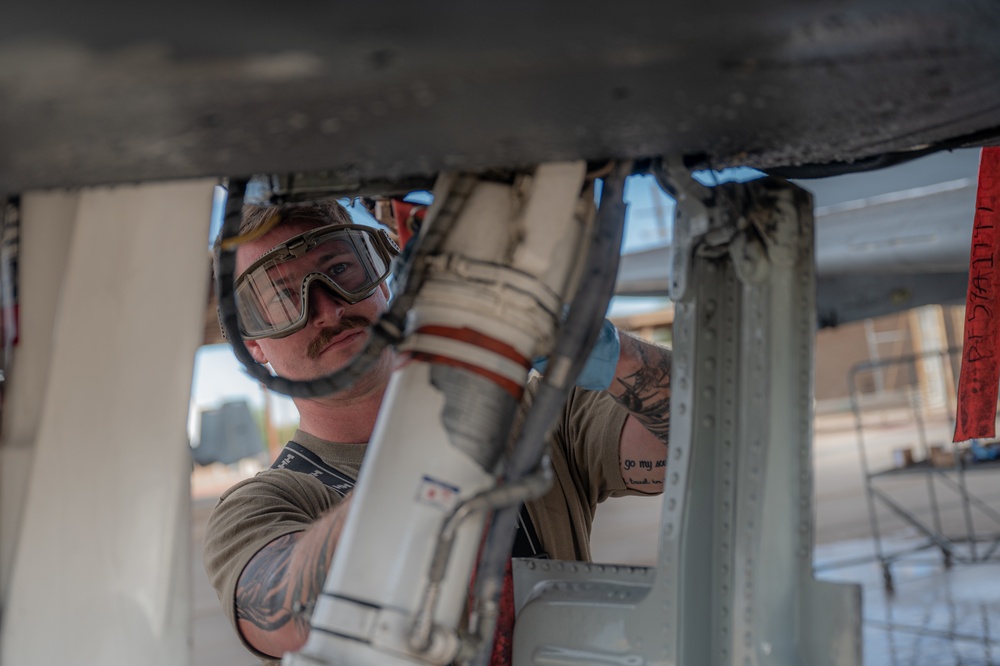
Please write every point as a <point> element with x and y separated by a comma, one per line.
<point>489,300</point>
<point>578,333</point>
<point>501,496</point>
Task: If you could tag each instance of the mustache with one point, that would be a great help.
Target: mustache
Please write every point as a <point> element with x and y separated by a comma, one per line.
<point>325,335</point>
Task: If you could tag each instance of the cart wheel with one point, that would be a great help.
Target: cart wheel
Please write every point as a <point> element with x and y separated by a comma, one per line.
<point>887,578</point>
<point>947,558</point>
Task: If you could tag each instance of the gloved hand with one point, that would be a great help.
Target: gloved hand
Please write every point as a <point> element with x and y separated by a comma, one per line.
<point>599,371</point>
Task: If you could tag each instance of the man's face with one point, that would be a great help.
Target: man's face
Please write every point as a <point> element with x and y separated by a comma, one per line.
<point>335,331</point>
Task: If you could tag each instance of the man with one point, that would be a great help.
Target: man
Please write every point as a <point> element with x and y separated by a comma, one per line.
<point>271,538</point>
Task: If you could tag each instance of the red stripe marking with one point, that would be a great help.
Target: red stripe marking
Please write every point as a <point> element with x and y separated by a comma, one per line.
<point>980,377</point>
<point>478,339</point>
<point>506,384</point>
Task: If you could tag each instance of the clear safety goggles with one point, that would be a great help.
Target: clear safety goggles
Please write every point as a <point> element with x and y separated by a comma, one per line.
<point>272,294</point>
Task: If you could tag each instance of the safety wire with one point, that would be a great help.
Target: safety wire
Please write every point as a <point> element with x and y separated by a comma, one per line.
<point>577,336</point>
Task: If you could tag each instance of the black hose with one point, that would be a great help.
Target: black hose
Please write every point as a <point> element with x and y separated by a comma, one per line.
<point>383,332</point>
<point>433,234</point>
<point>11,243</point>
<point>388,330</point>
<point>576,339</point>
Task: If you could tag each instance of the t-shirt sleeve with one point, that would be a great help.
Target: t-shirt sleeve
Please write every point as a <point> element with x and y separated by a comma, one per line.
<point>251,515</point>
<point>589,432</point>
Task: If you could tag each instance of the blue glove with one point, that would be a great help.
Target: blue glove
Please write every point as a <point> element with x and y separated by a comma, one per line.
<point>599,371</point>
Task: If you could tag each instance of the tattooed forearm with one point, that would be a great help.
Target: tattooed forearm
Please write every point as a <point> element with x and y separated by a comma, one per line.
<point>645,389</point>
<point>278,588</point>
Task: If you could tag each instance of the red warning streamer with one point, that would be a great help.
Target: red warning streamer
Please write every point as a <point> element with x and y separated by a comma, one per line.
<point>980,378</point>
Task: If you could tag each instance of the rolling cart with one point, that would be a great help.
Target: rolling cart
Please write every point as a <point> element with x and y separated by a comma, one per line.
<point>920,387</point>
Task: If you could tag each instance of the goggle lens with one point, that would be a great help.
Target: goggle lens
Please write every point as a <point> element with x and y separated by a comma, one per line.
<point>272,295</point>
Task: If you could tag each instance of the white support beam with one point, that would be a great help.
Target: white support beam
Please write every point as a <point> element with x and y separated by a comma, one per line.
<point>100,564</point>
<point>44,246</point>
<point>733,584</point>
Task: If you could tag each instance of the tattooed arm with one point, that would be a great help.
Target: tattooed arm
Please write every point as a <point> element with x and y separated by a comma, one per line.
<point>278,588</point>
<point>642,385</point>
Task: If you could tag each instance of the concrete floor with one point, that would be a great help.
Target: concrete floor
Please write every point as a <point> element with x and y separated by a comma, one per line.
<point>936,616</point>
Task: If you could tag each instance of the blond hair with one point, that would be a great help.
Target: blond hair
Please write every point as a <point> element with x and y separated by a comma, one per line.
<point>258,220</point>
<point>317,212</point>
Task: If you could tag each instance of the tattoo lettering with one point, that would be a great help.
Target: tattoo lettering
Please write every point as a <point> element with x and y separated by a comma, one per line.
<point>644,482</point>
<point>643,465</point>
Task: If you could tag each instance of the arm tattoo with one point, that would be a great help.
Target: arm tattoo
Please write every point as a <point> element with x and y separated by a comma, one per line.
<point>261,592</point>
<point>282,581</point>
<point>646,392</point>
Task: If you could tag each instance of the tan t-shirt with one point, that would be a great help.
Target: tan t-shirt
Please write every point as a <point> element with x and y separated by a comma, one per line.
<point>274,503</point>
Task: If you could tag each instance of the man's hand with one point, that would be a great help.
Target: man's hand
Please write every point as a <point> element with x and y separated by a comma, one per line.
<point>278,588</point>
